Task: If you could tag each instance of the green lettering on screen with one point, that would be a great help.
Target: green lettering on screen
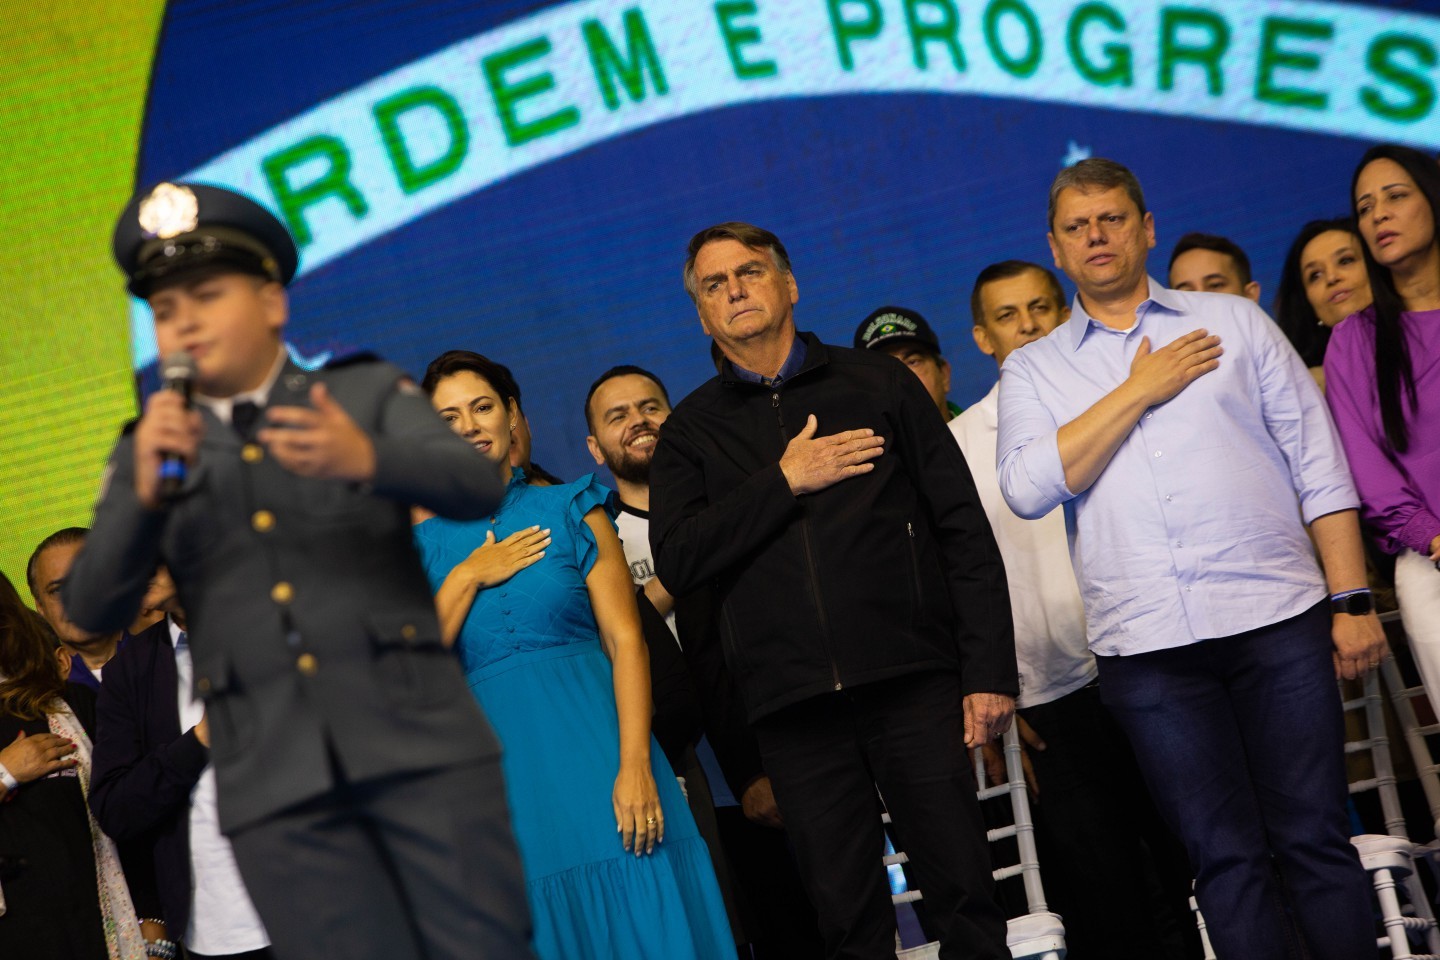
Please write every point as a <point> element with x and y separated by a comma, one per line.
<point>1206,53</point>
<point>1026,64</point>
<point>334,182</point>
<point>945,30</point>
<point>1273,56</point>
<point>848,31</point>
<point>1379,60</point>
<point>738,37</point>
<point>1118,69</point>
<point>507,96</point>
<point>640,58</point>
<point>387,117</point>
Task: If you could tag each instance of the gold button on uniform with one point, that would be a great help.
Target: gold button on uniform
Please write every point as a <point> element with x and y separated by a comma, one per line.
<point>262,520</point>
<point>282,592</point>
<point>307,664</point>
<point>203,685</point>
<point>252,453</point>
<point>408,631</point>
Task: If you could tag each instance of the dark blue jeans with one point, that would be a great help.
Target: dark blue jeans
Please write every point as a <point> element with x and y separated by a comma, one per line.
<point>1241,741</point>
<point>1098,828</point>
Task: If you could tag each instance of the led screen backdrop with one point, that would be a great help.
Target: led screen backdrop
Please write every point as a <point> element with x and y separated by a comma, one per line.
<point>521,178</point>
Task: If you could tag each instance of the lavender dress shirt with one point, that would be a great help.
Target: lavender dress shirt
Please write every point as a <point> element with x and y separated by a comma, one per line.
<point>1399,492</point>
<point>1193,530</point>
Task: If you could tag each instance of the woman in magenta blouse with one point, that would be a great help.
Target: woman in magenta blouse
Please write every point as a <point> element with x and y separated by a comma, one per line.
<point>1383,374</point>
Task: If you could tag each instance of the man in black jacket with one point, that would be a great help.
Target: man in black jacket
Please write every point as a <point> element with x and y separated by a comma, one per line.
<point>863,606</point>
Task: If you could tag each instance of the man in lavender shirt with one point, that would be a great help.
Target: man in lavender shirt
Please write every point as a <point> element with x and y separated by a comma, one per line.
<point>1185,479</point>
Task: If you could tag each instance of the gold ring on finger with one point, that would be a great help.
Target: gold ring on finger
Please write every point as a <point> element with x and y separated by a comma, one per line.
<point>651,821</point>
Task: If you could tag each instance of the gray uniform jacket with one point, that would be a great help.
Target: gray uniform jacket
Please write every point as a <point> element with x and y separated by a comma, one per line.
<point>312,624</point>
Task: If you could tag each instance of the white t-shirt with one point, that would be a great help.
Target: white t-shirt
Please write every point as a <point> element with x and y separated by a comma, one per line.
<point>222,918</point>
<point>1050,640</point>
<point>634,528</point>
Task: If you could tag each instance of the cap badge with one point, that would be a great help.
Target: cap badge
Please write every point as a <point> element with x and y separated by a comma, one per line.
<point>886,324</point>
<point>170,210</point>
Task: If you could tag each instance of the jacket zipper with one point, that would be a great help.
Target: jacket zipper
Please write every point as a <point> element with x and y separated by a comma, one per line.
<point>919,593</point>
<point>810,562</point>
<point>727,633</point>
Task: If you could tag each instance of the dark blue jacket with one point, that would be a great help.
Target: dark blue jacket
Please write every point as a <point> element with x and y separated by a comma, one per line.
<point>144,768</point>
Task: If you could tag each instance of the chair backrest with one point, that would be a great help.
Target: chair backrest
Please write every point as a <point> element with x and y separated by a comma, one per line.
<point>1369,705</point>
<point>1402,699</point>
<point>1021,827</point>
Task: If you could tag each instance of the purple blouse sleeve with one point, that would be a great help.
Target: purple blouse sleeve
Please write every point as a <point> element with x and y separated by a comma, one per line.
<point>1390,502</point>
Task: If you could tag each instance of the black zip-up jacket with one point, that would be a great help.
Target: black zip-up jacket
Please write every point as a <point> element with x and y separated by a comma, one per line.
<point>891,572</point>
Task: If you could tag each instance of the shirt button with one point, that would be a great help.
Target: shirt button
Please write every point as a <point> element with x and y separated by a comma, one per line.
<point>1187,589</point>
<point>1179,543</point>
<point>252,453</point>
<point>307,664</point>
<point>1157,454</point>
<point>1149,415</point>
<point>1168,498</point>
<point>511,628</point>
<point>282,592</point>
<point>263,521</point>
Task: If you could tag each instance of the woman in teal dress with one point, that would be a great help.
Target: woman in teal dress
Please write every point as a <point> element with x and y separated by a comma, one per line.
<point>539,603</point>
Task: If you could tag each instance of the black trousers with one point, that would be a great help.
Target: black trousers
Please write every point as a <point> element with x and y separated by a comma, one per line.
<point>826,756</point>
<point>778,918</point>
<point>1109,864</point>
<point>414,867</point>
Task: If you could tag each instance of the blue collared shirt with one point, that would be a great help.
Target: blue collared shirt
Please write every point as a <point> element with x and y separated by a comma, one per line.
<point>80,673</point>
<point>788,369</point>
<point>1193,530</point>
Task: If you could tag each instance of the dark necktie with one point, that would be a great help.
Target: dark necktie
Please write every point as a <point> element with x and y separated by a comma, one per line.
<point>243,417</point>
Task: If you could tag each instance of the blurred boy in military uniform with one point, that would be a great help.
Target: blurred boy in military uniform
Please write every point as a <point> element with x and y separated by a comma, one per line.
<point>358,781</point>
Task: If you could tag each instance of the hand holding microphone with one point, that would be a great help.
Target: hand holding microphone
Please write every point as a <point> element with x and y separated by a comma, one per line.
<point>168,434</point>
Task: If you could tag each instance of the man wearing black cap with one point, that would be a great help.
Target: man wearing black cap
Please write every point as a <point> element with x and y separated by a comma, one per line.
<point>357,779</point>
<point>906,336</point>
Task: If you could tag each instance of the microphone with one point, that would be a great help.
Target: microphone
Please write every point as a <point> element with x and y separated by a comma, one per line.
<point>178,374</point>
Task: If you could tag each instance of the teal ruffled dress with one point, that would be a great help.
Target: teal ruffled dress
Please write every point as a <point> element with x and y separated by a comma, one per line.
<point>532,653</point>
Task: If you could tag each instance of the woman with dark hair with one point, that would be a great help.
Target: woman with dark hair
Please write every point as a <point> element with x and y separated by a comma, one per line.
<point>1383,370</point>
<point>1322,281</point>
<point>62,892</point>
<point>539,602</point>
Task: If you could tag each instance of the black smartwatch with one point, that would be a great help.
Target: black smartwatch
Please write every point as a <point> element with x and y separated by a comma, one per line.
<point>1357,603</point>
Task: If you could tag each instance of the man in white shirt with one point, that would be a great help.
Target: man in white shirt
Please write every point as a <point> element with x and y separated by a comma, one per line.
<point>1188,480</point>
<point>153,784</point>
<point>1093,814</point>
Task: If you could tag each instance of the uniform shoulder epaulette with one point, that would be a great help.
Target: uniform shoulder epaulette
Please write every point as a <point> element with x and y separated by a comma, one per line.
<point>353,359</point>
